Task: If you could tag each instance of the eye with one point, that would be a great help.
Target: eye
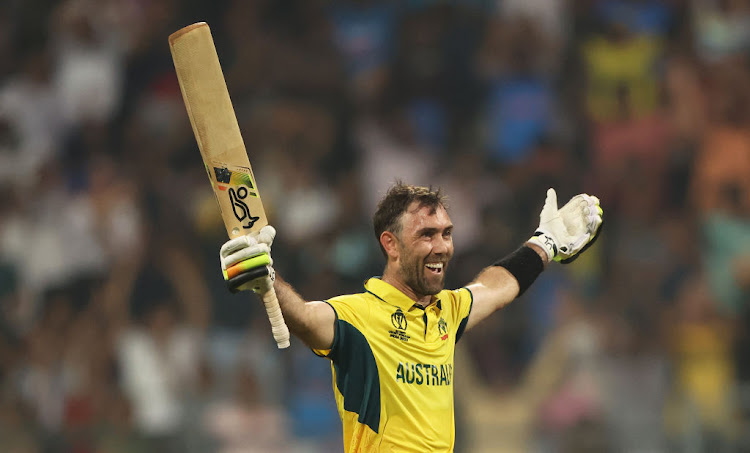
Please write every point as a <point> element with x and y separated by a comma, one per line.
<point>448,233</point>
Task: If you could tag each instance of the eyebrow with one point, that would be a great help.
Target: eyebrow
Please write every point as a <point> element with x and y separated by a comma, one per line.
<point>432,230</point>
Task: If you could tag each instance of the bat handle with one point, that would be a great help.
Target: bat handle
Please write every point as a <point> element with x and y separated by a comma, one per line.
<point>278,326</point>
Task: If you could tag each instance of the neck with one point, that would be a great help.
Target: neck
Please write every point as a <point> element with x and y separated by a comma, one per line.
<point>392,277</point>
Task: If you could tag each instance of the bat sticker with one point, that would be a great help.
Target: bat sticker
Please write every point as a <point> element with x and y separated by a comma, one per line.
<point>223,175</point>
<point>226,177</point>
<point>241,211</point>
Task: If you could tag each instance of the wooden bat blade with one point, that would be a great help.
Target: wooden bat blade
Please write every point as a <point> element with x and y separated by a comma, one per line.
<point>216,130</point>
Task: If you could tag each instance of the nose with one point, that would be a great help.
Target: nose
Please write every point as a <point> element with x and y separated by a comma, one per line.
<point>442,245</point>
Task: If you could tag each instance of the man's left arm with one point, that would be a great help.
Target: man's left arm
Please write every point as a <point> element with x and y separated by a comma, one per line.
<point>562,235</point>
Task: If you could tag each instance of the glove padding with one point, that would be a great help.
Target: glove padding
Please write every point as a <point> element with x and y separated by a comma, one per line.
<point>565,233</point>
<point>246,261</point>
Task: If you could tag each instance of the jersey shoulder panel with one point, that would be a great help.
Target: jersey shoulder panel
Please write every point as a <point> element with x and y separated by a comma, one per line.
<point>352,308</point>
<point>456,305</point>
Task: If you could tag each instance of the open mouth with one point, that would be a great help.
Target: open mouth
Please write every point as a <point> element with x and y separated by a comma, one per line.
<point>435,268</point>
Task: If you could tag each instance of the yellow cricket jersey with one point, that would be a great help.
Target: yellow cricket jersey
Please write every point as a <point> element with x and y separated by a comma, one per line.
<point>392,365</point>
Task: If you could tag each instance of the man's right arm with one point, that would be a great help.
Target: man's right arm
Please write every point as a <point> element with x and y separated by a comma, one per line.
<point>311,322</point>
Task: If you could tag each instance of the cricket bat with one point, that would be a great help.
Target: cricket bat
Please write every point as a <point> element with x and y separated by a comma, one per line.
<point>217,132</point>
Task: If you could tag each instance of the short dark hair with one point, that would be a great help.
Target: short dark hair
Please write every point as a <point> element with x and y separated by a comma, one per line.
<point>395,203</point>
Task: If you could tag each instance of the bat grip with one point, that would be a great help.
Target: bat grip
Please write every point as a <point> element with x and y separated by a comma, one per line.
<point>278,326</point>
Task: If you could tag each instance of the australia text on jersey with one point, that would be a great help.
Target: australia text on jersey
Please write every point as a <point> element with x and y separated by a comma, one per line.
<point>424,373</point>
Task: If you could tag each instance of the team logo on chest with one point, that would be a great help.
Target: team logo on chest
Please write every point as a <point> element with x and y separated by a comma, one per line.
<point>443,329</point>
<point>398,319</point>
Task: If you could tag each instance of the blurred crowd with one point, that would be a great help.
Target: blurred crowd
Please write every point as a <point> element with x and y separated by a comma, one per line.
<point>117,333</point>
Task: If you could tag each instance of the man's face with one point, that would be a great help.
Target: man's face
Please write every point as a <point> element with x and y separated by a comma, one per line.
<point>425,246</point>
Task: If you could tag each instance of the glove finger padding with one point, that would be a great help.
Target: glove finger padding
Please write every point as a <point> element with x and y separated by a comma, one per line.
<point>581,212</point>
<point>565,232</point>
<point>266,235</point>
<point>595,216</point>
<point>582,216</point>
<point>236,244</point>
<point>245,254</point>
<point>246,261</point>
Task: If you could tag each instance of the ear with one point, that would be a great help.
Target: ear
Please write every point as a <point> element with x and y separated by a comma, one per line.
<point>389,241</point>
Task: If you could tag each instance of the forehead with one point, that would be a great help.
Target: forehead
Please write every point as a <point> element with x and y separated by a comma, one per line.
<point>417,217</point>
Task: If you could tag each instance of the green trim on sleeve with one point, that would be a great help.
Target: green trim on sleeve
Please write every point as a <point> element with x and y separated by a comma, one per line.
<point>462,325</point>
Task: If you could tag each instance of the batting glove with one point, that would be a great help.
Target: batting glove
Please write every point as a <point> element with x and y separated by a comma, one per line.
<point>565,233</point>
<point>246,261</point>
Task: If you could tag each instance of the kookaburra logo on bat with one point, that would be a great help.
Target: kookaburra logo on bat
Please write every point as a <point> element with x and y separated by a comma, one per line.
<point>241,211</point>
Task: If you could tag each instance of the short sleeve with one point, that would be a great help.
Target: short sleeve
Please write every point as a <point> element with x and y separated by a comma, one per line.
<point>351,310</point>
<point>459,306</point>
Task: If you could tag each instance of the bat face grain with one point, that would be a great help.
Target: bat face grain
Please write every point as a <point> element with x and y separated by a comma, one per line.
<point>216,130</point>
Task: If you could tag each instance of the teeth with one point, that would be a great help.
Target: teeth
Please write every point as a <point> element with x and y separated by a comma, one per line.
<point>436,266</point>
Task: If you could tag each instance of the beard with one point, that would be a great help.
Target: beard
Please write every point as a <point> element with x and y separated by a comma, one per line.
<point>415,276</point>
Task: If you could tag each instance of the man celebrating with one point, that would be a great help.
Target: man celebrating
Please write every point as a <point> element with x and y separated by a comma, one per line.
<point>391,347</point>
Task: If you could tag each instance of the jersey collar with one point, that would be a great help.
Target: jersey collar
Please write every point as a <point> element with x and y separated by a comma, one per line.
<point>390,295</point>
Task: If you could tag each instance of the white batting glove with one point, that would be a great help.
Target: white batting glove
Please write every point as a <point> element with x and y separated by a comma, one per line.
<point>246,261</point>
<point>565,233</point>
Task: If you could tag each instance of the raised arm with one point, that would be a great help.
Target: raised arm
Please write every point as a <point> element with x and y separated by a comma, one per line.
<point>311,322</point>
<point>247,266</point>
<point>562,235</point>
<point>496,286</point>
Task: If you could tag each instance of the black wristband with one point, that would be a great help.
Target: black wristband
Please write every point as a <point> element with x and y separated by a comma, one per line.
<point>524,264</point>
<point>234,283</point>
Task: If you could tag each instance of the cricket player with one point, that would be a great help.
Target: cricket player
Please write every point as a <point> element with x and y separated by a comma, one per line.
<point>391,346</point>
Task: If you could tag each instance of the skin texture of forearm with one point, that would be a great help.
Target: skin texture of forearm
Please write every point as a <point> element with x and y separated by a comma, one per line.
<point>311,322</point>
<point>495,288</point>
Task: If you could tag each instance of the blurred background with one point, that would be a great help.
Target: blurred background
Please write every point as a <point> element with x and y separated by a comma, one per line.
<point>117,334</point>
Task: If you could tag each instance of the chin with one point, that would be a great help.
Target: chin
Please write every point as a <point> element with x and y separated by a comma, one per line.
<point>431,290</point>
